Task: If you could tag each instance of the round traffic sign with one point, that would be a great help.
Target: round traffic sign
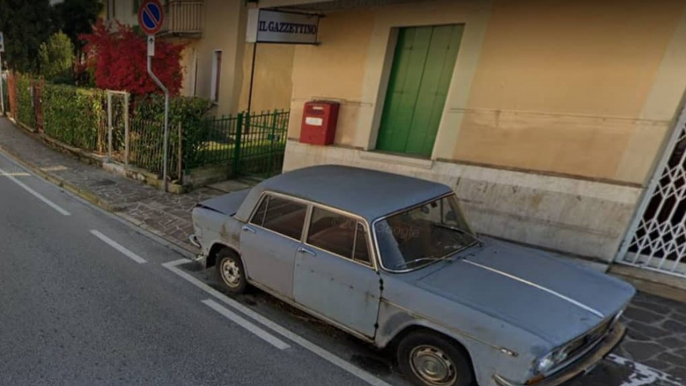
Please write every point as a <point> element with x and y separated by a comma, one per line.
<point>151,16</point>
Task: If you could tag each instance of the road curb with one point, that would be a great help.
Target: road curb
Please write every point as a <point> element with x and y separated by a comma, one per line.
<point>94,199</point>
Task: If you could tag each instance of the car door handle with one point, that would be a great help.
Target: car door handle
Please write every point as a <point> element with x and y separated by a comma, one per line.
<point>248,229</point>
<point>305,250</point>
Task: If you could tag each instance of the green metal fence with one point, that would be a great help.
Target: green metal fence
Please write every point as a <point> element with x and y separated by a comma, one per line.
<point>262,144</point>
<point>252,144</point>
<point>146,142</point>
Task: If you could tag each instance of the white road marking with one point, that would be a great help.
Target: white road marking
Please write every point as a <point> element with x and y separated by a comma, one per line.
<point>322,353</point>
<point>118,247</point>
<point>14,174</point>
<point>642,374</point>
<point>269,338</point>
<point>35,194</point>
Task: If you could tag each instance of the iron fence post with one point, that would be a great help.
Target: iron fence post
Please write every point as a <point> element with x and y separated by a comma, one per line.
<point>126,129</point>
<point>109,124</point>
<point>2,90</point>
<point>179,174</point>
<point>271,143</point>
<point>237,143</point>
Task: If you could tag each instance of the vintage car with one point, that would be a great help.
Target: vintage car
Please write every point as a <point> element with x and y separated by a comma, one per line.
<point>391,260</point>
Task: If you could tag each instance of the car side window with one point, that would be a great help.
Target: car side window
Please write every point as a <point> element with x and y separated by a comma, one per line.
<point>338,234</point>
<point>281,216</point>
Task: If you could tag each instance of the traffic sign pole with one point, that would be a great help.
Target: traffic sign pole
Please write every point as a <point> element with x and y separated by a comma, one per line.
<point>165,146</point>
<point>150,19</point>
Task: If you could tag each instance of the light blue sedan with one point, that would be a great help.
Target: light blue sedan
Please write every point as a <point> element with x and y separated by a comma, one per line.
<point>391,260</point>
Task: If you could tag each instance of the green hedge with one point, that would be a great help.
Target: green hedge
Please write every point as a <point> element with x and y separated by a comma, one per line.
<point>26,113</point>
<point>75,116</point>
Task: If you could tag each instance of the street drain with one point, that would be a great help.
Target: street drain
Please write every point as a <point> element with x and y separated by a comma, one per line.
<point>372,364</point>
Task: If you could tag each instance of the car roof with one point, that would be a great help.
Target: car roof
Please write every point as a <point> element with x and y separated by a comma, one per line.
<point>367,193</point>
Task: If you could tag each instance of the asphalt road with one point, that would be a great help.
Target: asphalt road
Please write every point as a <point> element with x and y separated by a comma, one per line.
<point>75,310</point>
<point>88,300</point>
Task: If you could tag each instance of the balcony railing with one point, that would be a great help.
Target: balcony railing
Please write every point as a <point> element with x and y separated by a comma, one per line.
<point>184,17</point>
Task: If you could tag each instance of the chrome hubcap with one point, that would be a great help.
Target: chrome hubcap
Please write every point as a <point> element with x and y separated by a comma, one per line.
<point>231,274</point>
<point>432,366</point>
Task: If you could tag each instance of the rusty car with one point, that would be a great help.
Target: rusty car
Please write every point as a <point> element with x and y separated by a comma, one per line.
<point>392,260</point>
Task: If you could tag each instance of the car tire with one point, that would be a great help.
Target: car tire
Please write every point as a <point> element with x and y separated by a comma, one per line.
<point>427,358</point>
<point>231,271</point>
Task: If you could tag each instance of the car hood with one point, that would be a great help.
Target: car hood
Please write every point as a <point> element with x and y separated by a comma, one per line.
<point>552,298</point>
<point>226,204</point>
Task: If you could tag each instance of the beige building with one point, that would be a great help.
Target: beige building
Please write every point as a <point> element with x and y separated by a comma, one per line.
<point>549,119</point>
<point>217,62</point>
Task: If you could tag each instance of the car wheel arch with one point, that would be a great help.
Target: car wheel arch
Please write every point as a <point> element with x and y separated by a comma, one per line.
<point>215,249</point>
<point>419,327</point>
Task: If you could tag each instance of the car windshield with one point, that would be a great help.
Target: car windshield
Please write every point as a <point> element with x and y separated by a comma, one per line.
<point>422,235</point>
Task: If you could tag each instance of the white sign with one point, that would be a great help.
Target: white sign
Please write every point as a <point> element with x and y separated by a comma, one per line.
<point>312,121</point>
<point>281,27</point>
<point>151,45</point>
<point>2,43</point>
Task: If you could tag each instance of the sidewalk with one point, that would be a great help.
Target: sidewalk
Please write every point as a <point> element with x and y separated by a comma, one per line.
<point>657,326</point>
<point>164,214</point>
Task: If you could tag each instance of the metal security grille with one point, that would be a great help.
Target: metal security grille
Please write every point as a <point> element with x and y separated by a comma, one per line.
<point>657,238</point>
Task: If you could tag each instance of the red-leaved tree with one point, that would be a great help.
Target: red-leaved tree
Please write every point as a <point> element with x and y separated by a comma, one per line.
<point>119,59</point>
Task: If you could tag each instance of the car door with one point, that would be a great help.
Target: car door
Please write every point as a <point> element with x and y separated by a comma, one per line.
<point>334,272</point>
<point>270,240</point>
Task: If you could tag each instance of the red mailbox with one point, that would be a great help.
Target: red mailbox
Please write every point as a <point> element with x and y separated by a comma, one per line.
<point>319,122</point>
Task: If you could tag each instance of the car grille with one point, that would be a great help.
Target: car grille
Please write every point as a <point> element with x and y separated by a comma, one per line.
<point>579,345</point>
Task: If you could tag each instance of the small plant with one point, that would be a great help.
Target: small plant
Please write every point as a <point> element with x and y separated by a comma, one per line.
<point>56,58</point>
<point>119,57</point>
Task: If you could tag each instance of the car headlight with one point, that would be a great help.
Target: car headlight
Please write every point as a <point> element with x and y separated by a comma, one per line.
<point>551,360</point>
<point>546,363</point>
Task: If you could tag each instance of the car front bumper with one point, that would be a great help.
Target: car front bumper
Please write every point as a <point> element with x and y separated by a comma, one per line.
<point>193,239</point>
<point>582,366</point>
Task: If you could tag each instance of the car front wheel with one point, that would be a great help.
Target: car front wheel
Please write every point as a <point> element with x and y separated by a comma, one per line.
<point>431,359</point>
<point>231,271</point>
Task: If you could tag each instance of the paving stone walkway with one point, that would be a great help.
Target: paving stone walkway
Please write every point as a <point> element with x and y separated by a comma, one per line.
<point>657,334</point>
<point>657,326</point>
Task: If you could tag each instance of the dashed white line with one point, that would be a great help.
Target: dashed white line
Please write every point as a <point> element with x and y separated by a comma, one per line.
<point>118,247</point>
<point>269,338</point>
<point>35,194</point>
<point>322,353</point>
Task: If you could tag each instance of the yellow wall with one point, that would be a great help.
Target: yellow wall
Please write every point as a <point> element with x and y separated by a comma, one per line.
<point>273,85</point>
<point>334,70</point>
<point>224,29</point>
<point>561,86</point>
<point>585,88</point>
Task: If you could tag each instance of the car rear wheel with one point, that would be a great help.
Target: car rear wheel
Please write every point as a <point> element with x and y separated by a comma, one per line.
<point>431,359</point>
<point>230,268</point>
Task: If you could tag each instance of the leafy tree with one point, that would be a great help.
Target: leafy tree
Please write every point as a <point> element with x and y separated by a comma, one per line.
<point>56,57</point>
<point>76,17</point>
<point>26,24</point>
<point>119,58</point>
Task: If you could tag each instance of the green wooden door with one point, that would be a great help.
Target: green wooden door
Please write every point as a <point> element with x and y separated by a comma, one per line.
<point>420,77</point>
